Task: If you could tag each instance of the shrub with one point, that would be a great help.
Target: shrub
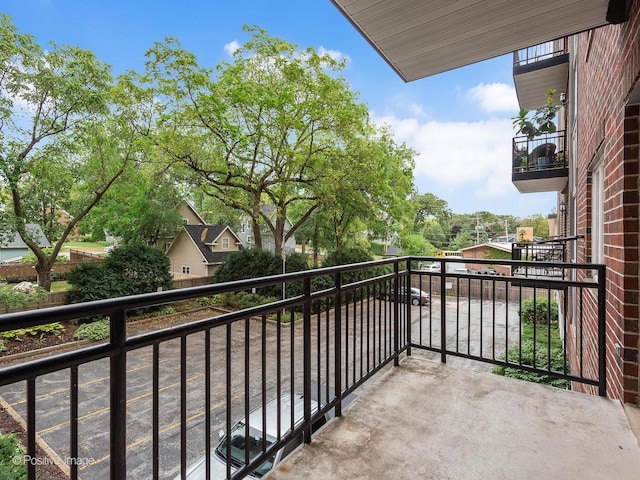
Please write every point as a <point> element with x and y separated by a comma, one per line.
<point>543,312</point>
<point>10,448</point>
<point>93,331</point>
<point>128,270</point>
<point>255,262</point>
<point>542,359</point>
<point>18,300</point>
<point>36,331</point>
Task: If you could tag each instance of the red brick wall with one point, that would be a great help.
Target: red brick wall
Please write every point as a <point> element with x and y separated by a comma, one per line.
<point>608,70</point>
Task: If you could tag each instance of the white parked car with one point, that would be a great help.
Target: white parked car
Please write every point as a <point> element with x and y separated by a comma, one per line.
<point>241,443</point>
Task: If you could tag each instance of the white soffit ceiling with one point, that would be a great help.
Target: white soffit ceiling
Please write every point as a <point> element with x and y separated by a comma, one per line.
<point>419,38</point>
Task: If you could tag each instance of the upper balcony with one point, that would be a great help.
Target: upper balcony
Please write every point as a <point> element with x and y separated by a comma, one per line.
<point>540,68</point>
<point>540,164</point>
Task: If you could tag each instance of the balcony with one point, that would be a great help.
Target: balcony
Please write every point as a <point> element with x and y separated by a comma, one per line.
<point>147,405</point>
<point>540,164</point>
<point>540,68</point>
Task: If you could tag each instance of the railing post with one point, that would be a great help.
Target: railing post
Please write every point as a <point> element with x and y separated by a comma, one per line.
<point>337,314</point>
<point>408,316</point>
<point>602,339</point>
<point>396,310</point>
<point>443,311</point>
<point>306,341</point>
<point>118,397</point>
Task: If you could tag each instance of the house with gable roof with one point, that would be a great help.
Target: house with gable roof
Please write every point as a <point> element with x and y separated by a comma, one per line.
<point>13,249</point>
<point>199,250</point>
<point>190,216</point>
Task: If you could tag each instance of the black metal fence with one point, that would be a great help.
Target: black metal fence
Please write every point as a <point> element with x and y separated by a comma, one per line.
<point>542,51</point>
<point>148,405</point>
<point>545,152</point>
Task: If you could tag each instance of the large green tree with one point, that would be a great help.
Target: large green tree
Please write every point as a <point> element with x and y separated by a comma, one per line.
<point>65,137</point>
<point>276,126</point>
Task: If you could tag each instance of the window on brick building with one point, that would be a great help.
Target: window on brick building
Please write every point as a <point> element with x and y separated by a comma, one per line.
<point>597,212</point>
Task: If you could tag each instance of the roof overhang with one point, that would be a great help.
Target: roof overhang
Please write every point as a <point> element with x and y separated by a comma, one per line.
<point>419,38</point>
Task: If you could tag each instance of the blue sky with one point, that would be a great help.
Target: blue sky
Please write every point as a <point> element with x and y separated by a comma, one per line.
<point>458,121</point>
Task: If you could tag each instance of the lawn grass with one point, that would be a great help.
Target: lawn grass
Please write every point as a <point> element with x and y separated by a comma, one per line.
<point>85,246</point>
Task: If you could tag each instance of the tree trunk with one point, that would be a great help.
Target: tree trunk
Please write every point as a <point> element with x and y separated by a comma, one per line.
<point>43,269</point>
<point>278,238</point>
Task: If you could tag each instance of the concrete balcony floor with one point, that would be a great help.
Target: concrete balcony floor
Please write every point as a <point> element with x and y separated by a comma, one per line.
<point>426,420</point>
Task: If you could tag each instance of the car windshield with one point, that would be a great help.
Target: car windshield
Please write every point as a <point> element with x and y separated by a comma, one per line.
<point>240,444</point>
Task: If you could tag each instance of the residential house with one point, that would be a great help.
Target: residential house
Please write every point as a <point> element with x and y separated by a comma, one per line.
<point>189,215</point>
<point>199,250</point>
<point>589,53</point>
<point>245,232</point>
<point>16,248</point>
<point>497,250</point>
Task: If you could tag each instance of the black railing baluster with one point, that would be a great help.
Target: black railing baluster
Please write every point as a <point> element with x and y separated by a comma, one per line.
<point>337,282</point>
<point>31,428</point>
<point>155,411</point>
<point>183,405</point>
<point>118,396</point>
<point>73,421</point>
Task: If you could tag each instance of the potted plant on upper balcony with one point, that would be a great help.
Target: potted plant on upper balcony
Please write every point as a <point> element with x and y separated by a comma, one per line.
<point>537,123</point>
<point>540,121</point>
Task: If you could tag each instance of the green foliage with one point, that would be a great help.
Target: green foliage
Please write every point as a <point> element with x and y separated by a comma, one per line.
<point>246,300</point>
<point>10,449</point>
<point>69,132</point>
<point>255,262</point>
<point>93,331</point>
<point>36,331</point>
<point>128,270</point>
<point>346,255</point>
<point>317,148</point>
<point>11,300</point>
<point>539,224</point>
<point>539,122</point>
<point>541,313</point>
<point>542,361</point>
<point>462,240</point>
<point>416,244</point>
<point>376,249</point>
<point>3,346</point>
<point>496,254</point>
<point>168,310</point>
<point>206,301</point>
<point>556,363</point>
<point>31,259</point>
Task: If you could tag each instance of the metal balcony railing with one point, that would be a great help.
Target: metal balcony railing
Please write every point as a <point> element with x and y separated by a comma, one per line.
<point>148,404</point>
<point>546,152</point>
<point>540,52</point>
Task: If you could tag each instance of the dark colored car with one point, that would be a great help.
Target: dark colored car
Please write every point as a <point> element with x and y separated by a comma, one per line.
<point>488,271</point>
<point>416,297</point>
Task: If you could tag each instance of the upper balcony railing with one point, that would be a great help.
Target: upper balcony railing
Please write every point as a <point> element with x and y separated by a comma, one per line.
<point>541,153</point>
<point>540,52</point>
<point>149,404</point>
<point>540,164</point>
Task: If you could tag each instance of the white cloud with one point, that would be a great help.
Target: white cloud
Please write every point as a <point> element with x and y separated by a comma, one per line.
<point>335,54</point>
<point>495,97</point>
<point>231,47</point>
<point>475,155</point>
